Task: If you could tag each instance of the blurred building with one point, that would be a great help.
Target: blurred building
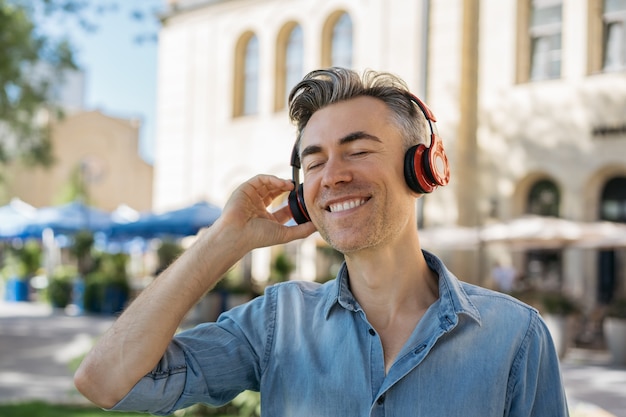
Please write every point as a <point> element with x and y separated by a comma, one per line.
<point>530,97</point>
<point>96,156</point>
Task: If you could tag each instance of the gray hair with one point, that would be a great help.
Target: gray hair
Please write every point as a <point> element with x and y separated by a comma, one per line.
<point>323,87</point>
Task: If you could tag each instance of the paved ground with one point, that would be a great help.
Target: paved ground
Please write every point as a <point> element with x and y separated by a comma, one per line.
<point>37,347</point>
<point>591,379</point>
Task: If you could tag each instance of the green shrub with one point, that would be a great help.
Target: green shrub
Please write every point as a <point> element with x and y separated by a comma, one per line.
<point>107,288</point>
<point>60,286</point>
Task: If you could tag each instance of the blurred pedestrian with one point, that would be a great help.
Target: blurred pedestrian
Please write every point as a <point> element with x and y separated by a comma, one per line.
<point>504,277</point>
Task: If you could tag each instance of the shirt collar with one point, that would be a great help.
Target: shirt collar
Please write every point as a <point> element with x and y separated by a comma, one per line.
<point>453,300</point>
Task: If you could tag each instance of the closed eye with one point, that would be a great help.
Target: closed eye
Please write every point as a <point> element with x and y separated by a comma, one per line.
<point>313,165</point>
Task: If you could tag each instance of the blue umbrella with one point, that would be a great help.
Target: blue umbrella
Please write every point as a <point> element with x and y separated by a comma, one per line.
<point>14,217</point>
<point>183,222</point>
<point>68,219</point>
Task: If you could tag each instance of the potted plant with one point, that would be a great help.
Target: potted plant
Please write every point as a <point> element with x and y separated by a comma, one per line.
<point>21,264</point>
<point>614,328</point>
<point>60,286</point>
<point>107,288</point>
<point>558,310</point>
<point>81,249</point>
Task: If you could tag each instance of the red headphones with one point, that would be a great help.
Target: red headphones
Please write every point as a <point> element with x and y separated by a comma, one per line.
<point>425,168</point>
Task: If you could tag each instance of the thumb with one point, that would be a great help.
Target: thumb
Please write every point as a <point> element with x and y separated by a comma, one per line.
<point>299,231</point>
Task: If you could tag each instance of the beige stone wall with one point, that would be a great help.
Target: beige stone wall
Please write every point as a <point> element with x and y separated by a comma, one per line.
<point>107,149</point>
<point>202,151</point>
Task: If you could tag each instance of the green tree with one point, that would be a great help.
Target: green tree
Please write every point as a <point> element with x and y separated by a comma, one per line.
<point>32,64</point>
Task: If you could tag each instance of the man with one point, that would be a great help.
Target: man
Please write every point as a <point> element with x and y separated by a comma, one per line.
<point>395,334</point>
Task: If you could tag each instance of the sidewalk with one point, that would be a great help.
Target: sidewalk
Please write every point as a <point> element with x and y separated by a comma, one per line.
<point>37,346</point>
<point>591,382</point>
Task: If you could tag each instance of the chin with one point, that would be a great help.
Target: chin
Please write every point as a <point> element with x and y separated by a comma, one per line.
<point>348,245</point>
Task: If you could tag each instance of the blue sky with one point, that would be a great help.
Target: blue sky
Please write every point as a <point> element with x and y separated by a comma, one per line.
<point>120,72</point>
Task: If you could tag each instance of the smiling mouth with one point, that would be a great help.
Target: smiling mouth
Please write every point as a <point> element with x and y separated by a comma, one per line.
<point>346,205</point>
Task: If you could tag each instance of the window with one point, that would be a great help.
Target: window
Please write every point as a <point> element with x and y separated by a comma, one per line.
<point>289,62</point>
<point>544,267</point>
<point>294,59</point>
<point>251,77</point>
<point>246,97</point>
<point>613,203</point>
<point>337,41</point>
<point>544,29</point>
<point>612,208</point>
<point>543,199</point>
<point>614,29</point>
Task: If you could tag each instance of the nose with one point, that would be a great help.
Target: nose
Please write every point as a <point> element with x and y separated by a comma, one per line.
<point>336,171</point>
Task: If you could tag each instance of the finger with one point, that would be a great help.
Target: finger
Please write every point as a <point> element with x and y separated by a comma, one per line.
<point>269,186</point>
<point>299,232</point>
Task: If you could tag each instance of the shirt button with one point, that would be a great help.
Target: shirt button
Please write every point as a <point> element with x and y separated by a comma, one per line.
<point>380,400</point>
<point>372,332</point>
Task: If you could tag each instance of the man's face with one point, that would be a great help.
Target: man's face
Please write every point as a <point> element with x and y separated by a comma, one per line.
<point>354,189</point>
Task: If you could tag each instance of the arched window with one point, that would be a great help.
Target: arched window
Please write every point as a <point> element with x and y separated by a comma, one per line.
<point>246,100</point>
<point>543,199</point>
<point>613,200</point>
<point>544,266</point>
<point>294,59</point>
<point>251,77</point>
<point>289,62</point>
<point>341,46</point>
<point>612,208</point>
<point>337,41</point>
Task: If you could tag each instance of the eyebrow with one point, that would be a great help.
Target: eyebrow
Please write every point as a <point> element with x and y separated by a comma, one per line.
<point>350,137</point>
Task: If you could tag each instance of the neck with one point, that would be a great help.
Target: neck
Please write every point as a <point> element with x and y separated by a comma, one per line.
<point>390,284</point>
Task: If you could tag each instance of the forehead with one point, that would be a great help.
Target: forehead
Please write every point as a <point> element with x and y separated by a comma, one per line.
<point>361,114</point>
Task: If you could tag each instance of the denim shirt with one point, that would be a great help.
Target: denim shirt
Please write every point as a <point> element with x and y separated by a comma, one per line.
<point>311,352</point>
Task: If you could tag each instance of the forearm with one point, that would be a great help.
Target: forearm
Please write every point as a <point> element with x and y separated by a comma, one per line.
<point>138,339</point>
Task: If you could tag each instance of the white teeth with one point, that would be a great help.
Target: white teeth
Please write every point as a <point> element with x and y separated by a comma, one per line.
<point>345,205</point>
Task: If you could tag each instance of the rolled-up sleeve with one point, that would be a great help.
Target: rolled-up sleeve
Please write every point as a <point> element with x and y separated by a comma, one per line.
<point>160,390</point>
<point>210,363</point>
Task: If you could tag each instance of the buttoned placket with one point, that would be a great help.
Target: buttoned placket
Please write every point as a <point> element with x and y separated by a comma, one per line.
<point>410,358</point>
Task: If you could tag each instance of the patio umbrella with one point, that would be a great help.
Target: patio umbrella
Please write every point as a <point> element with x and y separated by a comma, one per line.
<point>529,232</point>
<point>603,235</point>
<point>68,219</point>
<point>534,232</point>
<point>450,237</point>
<point>183,222</point>
<point>14,217</point>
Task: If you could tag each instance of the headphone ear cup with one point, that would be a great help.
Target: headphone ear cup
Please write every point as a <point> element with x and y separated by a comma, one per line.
<point>438,166</point>
<point>297,206</point>
<point>417,169</point>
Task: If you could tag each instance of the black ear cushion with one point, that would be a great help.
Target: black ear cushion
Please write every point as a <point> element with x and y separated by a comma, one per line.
<point>297,206</point>
<point>417,168</point>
